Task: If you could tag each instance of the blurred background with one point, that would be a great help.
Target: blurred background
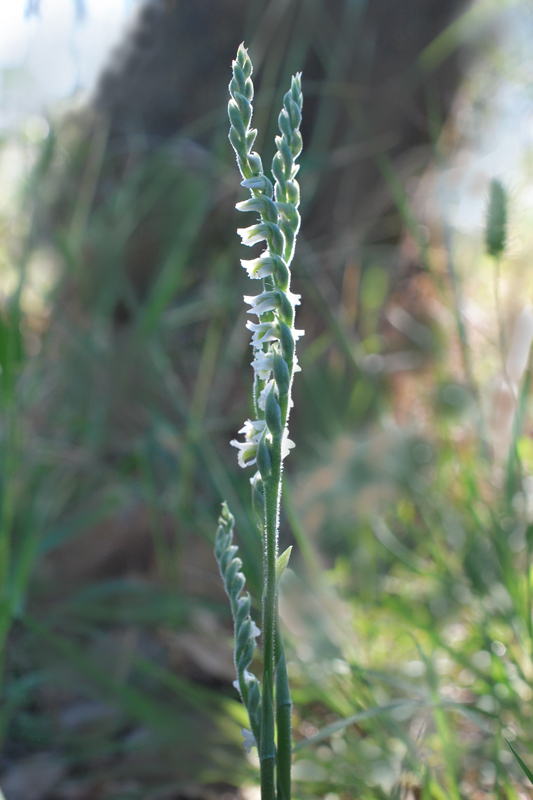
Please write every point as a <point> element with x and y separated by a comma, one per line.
<point>125,372</point>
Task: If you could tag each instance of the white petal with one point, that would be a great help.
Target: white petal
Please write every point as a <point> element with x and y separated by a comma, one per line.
<point>286,445</point>
<point>261,400</point>
<point>253,234</point>
<point>262,332</point>
<point>263,364</point>
<point>247,452</point>
<point>266,301</point>
<point>294,298</point>
<point>253,429</point>
<point>259,267</point>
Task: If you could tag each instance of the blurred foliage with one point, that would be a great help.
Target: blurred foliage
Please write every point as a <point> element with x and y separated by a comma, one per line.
<point>409,495</point>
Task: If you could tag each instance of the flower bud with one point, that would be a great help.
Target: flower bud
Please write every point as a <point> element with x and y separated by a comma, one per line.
<point>255,163</point>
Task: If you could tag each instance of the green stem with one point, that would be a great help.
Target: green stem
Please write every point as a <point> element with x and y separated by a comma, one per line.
<point>283,721</point>
<point>270,603</point>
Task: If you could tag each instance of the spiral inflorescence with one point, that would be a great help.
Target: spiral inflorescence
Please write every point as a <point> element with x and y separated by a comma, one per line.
<point>274,335</point>
<point>246,630</point>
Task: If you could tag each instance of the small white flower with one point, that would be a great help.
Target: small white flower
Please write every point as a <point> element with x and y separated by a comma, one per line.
<point>252,430</point>
<point>286,445</point>
<point>259,267</point>
<point>266,301</point>
<point>294,298</point>
<point>254,234</point>
<point>258,182</point>
<point>261,400</point>
<point>263,332</point>
<point>247,452</point>
<point>252,204</point>
<point>263,364</point>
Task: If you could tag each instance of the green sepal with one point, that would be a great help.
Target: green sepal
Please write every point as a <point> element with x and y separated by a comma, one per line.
<point>239,147</point>
<point>286,309</point>
<point>238,77</point>
<point>250,138</point>
<point>258,500</point>
<point>296,144</point>
<point>281,374</point>
<point>236,119</point>
<point>255,163</point>
<point>292,193</point>
<point>263,457</point>
<point>295,115</point>
<point>282,274</point>
<point>286,155</point>
<point>242,609</point>
<point>253,707</point>
<point>289,212</point>
<point>245,108</point>
<point>273,414</point>
<point>276,240</point>
<point>287,342</point>
<point>285,124</point>
<point>277,169</point>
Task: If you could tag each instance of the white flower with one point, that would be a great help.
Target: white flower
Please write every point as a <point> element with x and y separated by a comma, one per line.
<point>286,445</point>
<point>247,452</point>
<point>263,332</point>
<point>252,204</point>
<point>254,234</point>
<point>252,430</point>
<point>258,182</point>
<point>266,301</point>
<point>263,364</point>
<point>294,298</point>
<point>261,400</point>
<point>259,267</point>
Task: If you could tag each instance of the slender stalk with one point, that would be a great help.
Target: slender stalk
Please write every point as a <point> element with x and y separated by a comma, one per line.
<point>499,315</point>
<point>270,608</point>
<point>283,722</point>
<point>266,441</point>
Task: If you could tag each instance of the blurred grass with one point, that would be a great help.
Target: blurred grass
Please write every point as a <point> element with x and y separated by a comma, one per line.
<point>409,608</point>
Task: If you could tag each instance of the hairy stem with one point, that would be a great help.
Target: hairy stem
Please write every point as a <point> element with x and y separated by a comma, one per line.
<point>270,613</point>
<point>283,721</point>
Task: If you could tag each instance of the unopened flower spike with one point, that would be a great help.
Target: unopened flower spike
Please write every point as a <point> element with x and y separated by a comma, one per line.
<point>265,440</point>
